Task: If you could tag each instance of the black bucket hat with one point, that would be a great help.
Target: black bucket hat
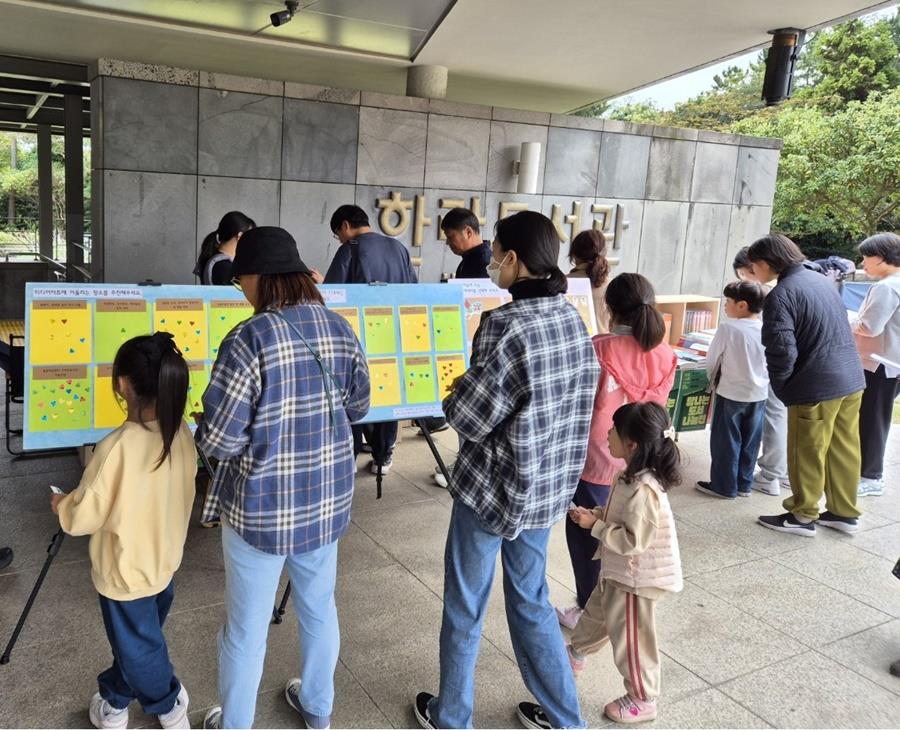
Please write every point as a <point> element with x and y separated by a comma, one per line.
<point>267,250</point>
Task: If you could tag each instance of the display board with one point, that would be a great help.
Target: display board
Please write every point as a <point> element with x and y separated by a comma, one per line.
<point>481,295</point>
<point>413,336</point>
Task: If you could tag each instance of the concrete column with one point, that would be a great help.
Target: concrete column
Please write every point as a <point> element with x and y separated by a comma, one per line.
<point>426,82</point>
<point>45,190</point>
<point>74,189</point>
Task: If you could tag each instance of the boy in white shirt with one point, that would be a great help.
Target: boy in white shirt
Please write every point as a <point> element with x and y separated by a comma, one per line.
<point>736,365</point>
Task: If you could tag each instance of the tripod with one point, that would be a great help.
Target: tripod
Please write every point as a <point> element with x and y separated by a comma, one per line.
<point>52,551</point>
<point>279,610</point>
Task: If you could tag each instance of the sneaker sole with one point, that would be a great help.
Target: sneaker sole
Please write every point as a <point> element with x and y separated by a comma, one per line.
<point>840,527</point>
<point>767,492</point>
<point>789,530</point>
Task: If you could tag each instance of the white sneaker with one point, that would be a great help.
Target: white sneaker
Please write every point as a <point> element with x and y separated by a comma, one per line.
<point>104,715</point>
<point>766,486</point>
<point>177,717</point>
<point>568,617</point>
<point>385,468</point>
<point>870,487</point>
<point>439,477</point>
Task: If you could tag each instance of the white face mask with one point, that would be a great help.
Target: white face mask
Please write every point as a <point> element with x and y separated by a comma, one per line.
<point>493,270</point>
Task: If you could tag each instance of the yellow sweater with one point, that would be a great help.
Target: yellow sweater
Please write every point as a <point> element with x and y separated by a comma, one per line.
<point>137,517</point>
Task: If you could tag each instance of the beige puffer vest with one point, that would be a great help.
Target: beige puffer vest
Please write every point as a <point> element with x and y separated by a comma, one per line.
<point>660,565</point>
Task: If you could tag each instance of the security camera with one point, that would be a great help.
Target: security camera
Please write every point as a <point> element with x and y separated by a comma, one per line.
<point>283,16</point>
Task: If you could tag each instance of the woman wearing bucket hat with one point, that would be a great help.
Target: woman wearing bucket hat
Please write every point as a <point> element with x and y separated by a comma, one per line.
<point>284,389</point>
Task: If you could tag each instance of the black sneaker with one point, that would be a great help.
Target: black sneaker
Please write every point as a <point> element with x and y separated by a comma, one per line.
<point>836,522</point>
<point>420,708</point>
<point>6,557</point>
<point>532,715</point>
<point>788,523</point>
<point>706,488</point>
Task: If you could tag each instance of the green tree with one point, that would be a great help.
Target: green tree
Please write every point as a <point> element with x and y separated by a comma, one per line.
<point>640,112</point>
<point>839,173</point>
<point>849,62</point>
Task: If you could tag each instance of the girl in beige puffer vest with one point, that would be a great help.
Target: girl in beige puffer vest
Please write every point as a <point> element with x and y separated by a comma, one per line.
<point>640,558</point>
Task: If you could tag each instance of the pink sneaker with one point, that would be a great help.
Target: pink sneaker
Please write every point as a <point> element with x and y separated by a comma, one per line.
<point>627,710</point>
<point>578,665</point>
<point>568,617</point>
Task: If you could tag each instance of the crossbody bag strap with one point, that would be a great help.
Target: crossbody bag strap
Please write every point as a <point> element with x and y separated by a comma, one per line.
<point>323,366</point>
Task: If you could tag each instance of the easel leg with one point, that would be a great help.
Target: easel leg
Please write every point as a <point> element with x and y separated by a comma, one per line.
<point>282,607</point>
<point>52,551</point>
<point>434,452</point>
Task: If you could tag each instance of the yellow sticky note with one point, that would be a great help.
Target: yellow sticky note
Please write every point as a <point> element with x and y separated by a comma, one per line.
<point>60,332</point>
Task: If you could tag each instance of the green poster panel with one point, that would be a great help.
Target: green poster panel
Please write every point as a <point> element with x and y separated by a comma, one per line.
<point>60,399</point>
<point>116,322</point>
<point>224,316</point>
<point>381,330</point>
<point>419,380</point>
<point>448,331</point>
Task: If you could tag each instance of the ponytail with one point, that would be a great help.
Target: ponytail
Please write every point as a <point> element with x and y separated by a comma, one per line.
<point>590,246</point>
<point>171,397</point>
<point>557,283</point>
<point>158,374</point>
<point>207,250</point>
<point>632,301</point>
<point>648,426</point>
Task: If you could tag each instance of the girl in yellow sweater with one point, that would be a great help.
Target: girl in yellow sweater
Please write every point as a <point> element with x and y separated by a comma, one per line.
<point>134,500</point>
<point>639,557</point>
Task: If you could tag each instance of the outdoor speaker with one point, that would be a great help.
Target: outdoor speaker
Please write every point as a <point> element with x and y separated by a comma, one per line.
<point>780,62</point>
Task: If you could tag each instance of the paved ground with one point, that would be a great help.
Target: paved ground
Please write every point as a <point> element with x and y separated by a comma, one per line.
<point>771,629</point>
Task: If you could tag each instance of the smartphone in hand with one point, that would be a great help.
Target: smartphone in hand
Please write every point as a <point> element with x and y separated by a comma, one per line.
<point>56,490</point>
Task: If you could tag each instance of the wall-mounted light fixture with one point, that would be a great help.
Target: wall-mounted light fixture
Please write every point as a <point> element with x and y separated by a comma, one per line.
<point>527,167</point>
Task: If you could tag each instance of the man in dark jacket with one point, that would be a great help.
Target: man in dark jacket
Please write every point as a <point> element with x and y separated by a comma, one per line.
<point>363,258</point>
<point>463,232</point>
<point>815,370</point>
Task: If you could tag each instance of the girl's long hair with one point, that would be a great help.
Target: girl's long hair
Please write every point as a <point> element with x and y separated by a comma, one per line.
<point>157,372</point>
<point>590,246</point>
<point>232,223</point>
<point>631,300</point>
<point>646,424</point>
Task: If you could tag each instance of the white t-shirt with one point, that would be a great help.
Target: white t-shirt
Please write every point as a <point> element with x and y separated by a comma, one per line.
<point>738,354</point>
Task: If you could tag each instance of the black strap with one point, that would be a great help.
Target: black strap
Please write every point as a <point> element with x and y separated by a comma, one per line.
<point>323,367</point>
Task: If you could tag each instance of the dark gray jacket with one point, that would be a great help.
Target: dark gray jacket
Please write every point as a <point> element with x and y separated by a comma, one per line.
<point>810,351</point>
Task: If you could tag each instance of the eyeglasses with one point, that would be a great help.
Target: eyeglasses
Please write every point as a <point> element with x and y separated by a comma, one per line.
<point>236,283</point>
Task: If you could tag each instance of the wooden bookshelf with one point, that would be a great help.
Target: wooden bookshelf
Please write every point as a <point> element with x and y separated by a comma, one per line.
<point>676,305</point>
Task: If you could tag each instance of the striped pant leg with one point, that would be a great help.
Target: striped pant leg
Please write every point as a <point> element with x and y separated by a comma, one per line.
<point>631,621</point>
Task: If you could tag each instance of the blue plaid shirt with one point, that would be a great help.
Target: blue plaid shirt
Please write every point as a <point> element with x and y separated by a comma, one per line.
<point>523,411</point>
<point>285,478</point>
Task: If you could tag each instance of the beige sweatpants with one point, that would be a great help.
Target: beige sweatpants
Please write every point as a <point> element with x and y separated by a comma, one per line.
<point>628,622</point>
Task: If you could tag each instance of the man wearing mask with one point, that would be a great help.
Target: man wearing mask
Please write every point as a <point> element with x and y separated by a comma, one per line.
<point>366,257</point>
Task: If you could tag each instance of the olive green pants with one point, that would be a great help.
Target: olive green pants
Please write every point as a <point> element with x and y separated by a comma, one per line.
<point>824,457</point>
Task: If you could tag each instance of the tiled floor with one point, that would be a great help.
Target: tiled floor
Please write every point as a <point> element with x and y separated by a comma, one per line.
<point>771,630</point>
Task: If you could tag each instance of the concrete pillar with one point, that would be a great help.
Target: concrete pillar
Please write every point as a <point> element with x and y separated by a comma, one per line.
<point>45,189</point>
<point>74,166</point>
<point>426,82</point>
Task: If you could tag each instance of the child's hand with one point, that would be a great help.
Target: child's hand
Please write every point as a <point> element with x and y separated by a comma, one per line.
<point>583,517</point>
<point>317,276</point>
<point>452,386</point>
<point>55,499</point>
<point>197,416</point>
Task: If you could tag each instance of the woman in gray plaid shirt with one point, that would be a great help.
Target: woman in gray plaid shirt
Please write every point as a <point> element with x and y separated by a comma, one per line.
<point>522,412</point>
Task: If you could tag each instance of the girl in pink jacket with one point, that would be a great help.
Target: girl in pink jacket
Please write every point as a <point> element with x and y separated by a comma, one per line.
<point>635,366</point>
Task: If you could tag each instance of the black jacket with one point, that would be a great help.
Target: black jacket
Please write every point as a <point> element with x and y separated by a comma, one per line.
<point>810,351</point>
<point>474,262</point>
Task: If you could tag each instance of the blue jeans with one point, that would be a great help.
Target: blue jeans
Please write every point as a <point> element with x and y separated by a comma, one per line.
<point>141,668</point>
<point>734,445</point>
<point>469,562</point>
<point>582,544</point>
<point>251,582</point>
